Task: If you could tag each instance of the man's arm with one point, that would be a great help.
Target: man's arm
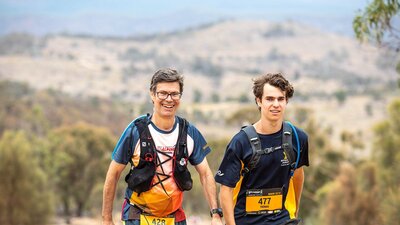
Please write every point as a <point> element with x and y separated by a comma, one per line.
<point>110,185</point>
<point>209,188</point>
<point>298,180</point>
<point>226,199</point>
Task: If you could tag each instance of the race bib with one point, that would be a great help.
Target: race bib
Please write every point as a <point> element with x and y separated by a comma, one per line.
<point>260,201</point>
<point>152,220</point>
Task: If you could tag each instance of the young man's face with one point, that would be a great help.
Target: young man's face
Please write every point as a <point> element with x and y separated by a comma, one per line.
<point>273,103</point>
<point>166,99</point>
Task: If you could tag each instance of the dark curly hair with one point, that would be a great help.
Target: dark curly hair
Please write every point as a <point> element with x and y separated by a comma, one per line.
<point>274,79</point>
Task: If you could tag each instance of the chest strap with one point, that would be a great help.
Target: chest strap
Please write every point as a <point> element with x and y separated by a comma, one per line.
<point>287,146</point>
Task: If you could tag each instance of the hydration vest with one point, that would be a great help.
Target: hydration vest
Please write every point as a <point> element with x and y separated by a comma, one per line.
<point>287,146</point>
<point>140,177</point>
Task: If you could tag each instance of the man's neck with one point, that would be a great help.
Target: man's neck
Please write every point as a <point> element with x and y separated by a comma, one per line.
<point>163,123</point>
<point>268,127</point>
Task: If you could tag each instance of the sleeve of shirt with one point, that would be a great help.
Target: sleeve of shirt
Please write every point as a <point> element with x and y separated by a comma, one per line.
<point>200,146</point>
<point>124,149</point>
<point>228,173</point>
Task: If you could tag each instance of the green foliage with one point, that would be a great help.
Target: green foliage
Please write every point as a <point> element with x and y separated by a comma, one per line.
<point>353,139</point>
<point>13,100</point>
<point>350,203</point>
<point>81,155</point>
<point>323,169</point>
<point>214,158</point>
<point>134,55</point>
<point>398,67</point>
<point>17,43</point>
<point>22,196</point>
<point>197,96</point>
<point>34,160</point>
<point>391,206</point>
<point>243,98</point>
<point>340,96</point>
<point>206,67</point>
<point>218,147</point>
<point>37,112</point>
<point>386,156</point>
<point>377,24</point>
<point>302,115</point>
<point>215,98</point>
<point>387,140</point>
<point>278,31</point>
<point>369,110</point>
<point>375,20</point>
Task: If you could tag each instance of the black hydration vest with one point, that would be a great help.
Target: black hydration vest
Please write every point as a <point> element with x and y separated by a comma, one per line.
<point>140,178</point>
<point>287,146</point>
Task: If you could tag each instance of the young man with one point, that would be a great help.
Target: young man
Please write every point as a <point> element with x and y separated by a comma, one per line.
<point>158,150</point>
<point>267,193</point>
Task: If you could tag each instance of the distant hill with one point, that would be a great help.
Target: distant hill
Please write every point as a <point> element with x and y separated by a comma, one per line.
<point>215,58</point>
<point>109,24</point>
<point>331,73</point>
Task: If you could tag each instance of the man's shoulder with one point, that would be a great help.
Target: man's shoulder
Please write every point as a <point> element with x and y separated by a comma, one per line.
<point>192,130</point>
<point>239,141</point>
<point>301,133</point>
<point>141,118</point>
<point>132,128</point>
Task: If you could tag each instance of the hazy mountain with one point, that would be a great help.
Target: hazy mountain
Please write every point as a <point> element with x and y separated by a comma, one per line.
<point>96,24</point>
<point>345,83</point>
<point>216,53</point>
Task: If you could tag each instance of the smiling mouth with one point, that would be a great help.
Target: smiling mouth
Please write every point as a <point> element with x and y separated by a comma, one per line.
<point>168,106</point>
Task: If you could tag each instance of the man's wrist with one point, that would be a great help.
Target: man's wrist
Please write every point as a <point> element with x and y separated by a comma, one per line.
<point>216,211</point>
<point>107,218</point>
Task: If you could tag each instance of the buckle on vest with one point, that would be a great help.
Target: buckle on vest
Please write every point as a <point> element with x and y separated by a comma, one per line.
<point>285,145</point>
<point>148,157</point>
<point>245,170</point>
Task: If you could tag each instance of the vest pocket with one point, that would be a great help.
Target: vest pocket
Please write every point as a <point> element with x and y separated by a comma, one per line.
<point>140,179</point>
<point>182,177</point>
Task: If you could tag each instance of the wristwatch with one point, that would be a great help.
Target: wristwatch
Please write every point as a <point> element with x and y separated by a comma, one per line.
<point>218,211</point>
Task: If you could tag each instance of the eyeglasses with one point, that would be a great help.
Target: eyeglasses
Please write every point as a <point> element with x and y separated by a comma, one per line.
<point>164,95</point>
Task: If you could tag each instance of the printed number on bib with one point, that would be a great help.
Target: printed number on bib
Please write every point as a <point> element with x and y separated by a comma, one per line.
<point>259,201</point>
<point>152,220</point>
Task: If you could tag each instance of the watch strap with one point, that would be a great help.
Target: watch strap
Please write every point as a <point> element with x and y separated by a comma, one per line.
<point>216,211</point>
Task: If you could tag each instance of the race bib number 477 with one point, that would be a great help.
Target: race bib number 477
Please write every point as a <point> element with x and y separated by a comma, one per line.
<point>259,201</point>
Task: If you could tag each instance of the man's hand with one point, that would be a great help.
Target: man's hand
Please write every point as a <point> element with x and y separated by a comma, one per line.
<point>216,220</point>
<point>109,222</point>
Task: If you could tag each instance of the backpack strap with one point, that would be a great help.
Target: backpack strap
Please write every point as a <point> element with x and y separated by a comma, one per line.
<point>147,152</point>
<point>287,146</point>
<point>290,128</point>
<point>255,145</point>
<point>181,145</point>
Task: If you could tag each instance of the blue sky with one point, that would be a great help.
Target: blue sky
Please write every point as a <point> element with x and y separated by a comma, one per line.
<point>149,8</point>
<point>331,14</point>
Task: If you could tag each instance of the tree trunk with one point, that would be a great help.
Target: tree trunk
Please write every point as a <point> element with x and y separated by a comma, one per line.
<point>79,209</point>
<point>67,213</point>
